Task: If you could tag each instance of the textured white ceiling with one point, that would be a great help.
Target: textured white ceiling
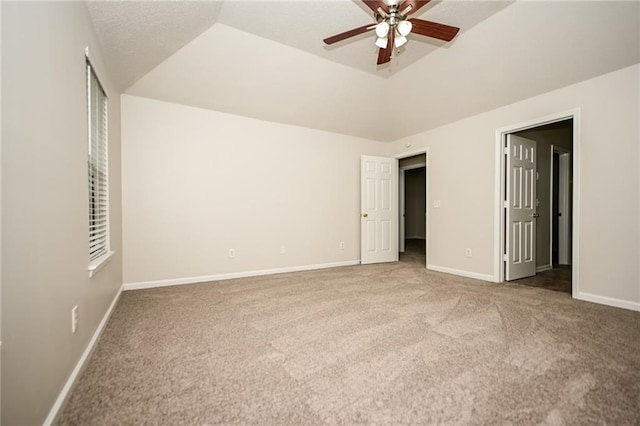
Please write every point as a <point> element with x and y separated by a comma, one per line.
<point>527,49</point>
<point>266,60</point>
<point>135,36</point>
<point>304,24</point>
<point>138,35</point>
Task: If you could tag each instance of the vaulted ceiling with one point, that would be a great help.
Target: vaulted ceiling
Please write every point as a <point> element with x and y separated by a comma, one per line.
<point>266,60</point>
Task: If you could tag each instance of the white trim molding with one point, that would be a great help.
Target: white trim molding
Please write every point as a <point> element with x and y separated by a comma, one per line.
<point>461,273</point>
<point>609,301</point>
<point>413,153</point>
<point>99,263</point>
<point>233,275</point>
<point>544,268</point>
<point>71,381</point>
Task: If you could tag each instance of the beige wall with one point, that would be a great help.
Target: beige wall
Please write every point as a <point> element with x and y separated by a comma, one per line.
<point>197,183</point>
<point>45,204</point>
<point>462,176</point>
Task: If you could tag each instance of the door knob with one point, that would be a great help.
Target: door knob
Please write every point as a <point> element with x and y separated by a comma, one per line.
<point>364,215</point>
<point>535,215</point>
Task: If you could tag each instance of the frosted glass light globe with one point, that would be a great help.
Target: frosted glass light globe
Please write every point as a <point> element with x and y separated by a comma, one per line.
<point>382,42</point>
<point>404,27</point>
<point>382,29</point>
<point>400,41</point>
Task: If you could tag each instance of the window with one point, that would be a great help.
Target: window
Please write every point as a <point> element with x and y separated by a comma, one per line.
<point>98,178</point>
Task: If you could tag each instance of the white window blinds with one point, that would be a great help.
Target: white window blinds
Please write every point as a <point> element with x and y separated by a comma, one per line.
<point>98,167</point>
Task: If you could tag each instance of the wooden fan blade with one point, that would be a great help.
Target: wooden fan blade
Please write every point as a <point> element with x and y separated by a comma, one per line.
<point>433,29</point>
<point>354,32</point>
<point>384,55</point>
<point>415,5</point>
<point>375,4</point>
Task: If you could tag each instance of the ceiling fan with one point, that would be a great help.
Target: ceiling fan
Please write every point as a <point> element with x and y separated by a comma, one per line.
<point>393,25</point>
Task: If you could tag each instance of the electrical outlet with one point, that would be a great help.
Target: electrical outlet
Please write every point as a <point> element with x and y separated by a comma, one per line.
<point>232,253</point>
<point>283,249</point>
<point>74,319</point>
<point>341,245</point>
<point>468,253</point>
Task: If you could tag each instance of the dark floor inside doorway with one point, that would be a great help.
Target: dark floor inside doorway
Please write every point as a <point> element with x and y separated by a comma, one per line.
<point>415,251</point>
<point>556,279</point>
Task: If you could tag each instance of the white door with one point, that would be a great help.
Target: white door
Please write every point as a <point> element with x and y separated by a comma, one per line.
<point>520,208</point>
<point>379,209</point>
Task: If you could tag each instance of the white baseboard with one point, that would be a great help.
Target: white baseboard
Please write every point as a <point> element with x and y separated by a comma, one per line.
<point>233,275</point>
<point>544,268</point>
<point>609,301</point>
<point>483,277</point>
<point>68,386</point>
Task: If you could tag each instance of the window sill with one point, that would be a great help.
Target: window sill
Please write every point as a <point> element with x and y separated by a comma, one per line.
<point>99,263</point>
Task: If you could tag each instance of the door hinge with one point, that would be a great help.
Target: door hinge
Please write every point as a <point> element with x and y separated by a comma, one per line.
<point>505,257</point>
<point>505,150</point>
<point>505,204</point>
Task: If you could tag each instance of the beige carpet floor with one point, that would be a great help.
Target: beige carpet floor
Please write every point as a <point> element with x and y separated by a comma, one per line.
<point>384,344</point>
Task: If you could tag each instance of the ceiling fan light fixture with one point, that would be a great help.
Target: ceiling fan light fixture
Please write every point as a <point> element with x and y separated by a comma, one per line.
<point>404,28</point>
<point>392,25</point>
<point>400,40</point>
<point>382,29</point>
<point>381,42</point>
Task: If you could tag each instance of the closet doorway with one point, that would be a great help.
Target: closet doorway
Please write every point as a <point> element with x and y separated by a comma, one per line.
<point>413,208</point>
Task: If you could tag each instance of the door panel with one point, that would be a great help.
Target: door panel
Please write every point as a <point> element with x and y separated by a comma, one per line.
<point>379,214</point>
<point>520,207</point>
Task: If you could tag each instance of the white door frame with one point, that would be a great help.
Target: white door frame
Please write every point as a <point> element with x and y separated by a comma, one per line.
<point>499,216</point>
<point>427,172</point>
<point>403,201</point>
<point>563,204</point>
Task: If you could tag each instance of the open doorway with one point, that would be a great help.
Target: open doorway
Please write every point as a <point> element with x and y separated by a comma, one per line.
<point>549,219</point>
<point>413,209</point>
